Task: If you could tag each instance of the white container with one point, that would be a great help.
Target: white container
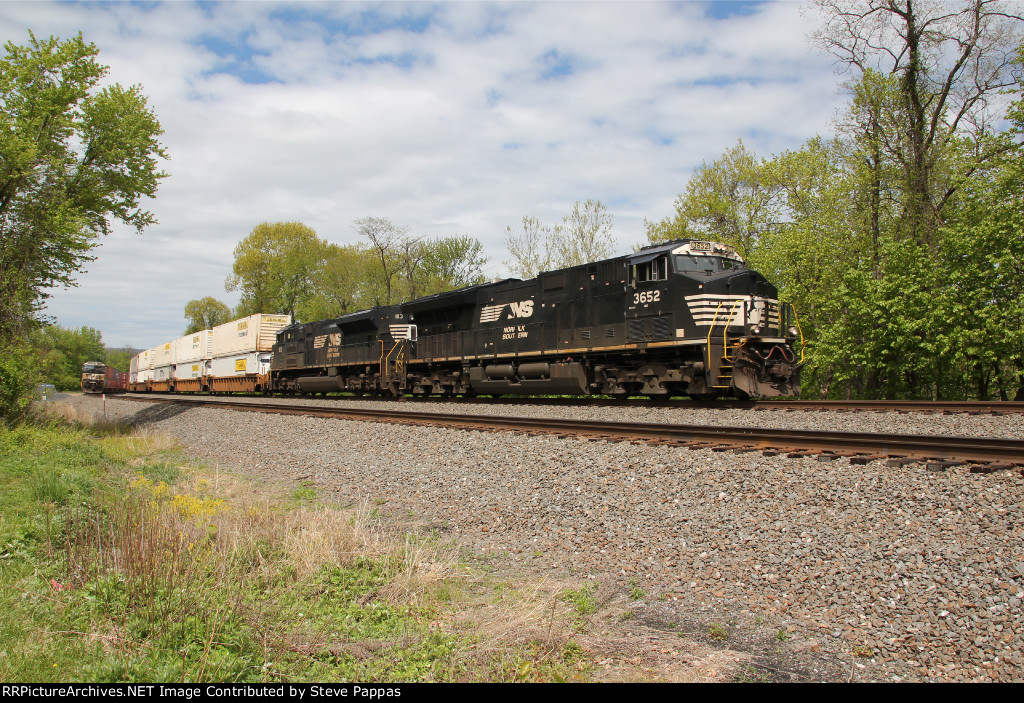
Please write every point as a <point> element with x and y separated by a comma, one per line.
<point>164,354</point>
<point>240,364</point>
<point>161,373</point>
<point>193,369</point>
<point>133,368</point>
<point>193,347</point>
<point>256,333</point>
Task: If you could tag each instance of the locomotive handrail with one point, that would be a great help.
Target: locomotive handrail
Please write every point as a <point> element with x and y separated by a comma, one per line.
<point>799,329</point>
<point>725,328</point>
<point>384,360</point>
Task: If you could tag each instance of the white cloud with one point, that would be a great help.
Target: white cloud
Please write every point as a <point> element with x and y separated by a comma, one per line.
<point>453,118</point>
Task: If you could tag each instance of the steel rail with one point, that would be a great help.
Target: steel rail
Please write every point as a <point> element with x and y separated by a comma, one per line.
<point>830,443</point>
<point>974,407</point>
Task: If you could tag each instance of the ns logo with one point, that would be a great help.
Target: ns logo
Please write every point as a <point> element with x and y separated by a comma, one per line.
<point>493,313</point>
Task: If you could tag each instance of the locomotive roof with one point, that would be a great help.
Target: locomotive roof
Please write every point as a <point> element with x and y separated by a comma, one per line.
<point>453,298</point>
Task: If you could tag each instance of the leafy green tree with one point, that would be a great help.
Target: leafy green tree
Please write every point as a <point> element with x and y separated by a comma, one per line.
<point>274,268</point>
<point>205,313</point>
<point>76,157</point>
<point>734,200</point>
<point>19,374</point>
<point>343,282</point>
<point>64,350</point>
<point>121,358</point>
<point>452,262</point>
<point>982,255</point>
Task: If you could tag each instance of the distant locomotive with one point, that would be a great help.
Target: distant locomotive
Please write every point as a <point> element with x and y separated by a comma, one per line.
<point>682,318</point>
<point>97,377</point>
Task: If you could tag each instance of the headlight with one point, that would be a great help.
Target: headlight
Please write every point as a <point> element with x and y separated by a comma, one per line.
<point>794,332</point>
<point>754,330</point>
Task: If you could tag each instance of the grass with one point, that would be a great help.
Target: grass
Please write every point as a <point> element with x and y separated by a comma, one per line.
<point>718,632</point>
<point>121,561</point>
<point>582,600</point>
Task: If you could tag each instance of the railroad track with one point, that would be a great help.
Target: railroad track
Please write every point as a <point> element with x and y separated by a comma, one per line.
<point>986,454</point>
<point>947,407</point>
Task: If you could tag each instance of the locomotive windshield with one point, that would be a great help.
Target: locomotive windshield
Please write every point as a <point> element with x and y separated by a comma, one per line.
<point>686,263</point>
<point>93,368</point>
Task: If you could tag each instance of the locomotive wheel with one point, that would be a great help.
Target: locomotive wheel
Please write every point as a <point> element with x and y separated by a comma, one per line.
<point>704,396</point>
<point>620,396</point>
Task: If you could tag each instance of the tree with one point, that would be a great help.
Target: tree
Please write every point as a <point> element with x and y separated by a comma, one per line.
<point>64,350</point>
<point>452,262</point>
<point>205,313</point>
<point>76,158</point>
<point>343,283</point>
<point>121,358</point>
<point>946,61</point>
<point>409,266</point>
<point>584,235</point>
<point>531,252</point>
<point>275,267</point>
<point>387,240</point>
<point>734,200</point>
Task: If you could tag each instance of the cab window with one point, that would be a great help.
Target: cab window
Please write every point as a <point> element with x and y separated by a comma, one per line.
<point>688,263</point>
<point>654,270</point>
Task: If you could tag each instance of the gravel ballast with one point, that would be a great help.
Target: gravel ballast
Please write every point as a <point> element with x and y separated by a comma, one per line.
<point>896,574</point>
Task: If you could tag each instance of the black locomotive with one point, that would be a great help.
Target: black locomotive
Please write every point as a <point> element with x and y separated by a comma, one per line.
<point>681,318</point>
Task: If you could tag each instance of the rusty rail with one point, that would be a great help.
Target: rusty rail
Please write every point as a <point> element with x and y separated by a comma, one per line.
<point>827,444</point>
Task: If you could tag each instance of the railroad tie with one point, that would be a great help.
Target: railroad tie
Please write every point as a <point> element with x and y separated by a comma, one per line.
<point>940,466</point>
<point>992,468</point>
<point>861,459</point>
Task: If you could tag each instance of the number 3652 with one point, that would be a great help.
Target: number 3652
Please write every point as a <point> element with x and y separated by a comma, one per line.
<point>647,296</point>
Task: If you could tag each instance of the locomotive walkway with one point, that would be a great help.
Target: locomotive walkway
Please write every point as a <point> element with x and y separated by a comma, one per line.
<point>986,454</point>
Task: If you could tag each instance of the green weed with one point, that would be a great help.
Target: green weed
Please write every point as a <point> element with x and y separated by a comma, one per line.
<point>582,600</point>
<point>718,632</point>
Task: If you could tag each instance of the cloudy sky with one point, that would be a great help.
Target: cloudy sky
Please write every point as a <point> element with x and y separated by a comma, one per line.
<point>449,118</point>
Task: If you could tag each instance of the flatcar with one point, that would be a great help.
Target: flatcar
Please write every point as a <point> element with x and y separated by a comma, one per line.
<point>680,318</point>
<point>98,377</point>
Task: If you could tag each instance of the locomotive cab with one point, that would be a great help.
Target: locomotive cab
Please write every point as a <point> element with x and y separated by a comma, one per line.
<point>724,321</point>
<point>93,377</point>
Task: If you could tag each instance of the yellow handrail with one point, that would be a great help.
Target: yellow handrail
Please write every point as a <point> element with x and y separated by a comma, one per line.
<point>796,321</point>
<point>725,328</point>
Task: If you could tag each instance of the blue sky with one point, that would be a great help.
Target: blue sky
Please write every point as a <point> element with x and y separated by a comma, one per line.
<point>448,118</point>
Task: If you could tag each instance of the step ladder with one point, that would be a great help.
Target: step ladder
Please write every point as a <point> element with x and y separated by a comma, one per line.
<point>724,377</point>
